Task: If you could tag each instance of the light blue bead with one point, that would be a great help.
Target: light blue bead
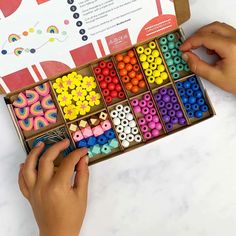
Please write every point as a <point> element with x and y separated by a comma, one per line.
<point>172,69</point>
<point>176,75</point>
<point>171,45</point>
<point>163,40</point>
<point>177,60</point>
<point>106,149</point>
<point>113,143</point>
<point>174,52</point>
<point>170,37</point>
<point>90,154</point>
<point>180,67</point>
<point>164,48</point>
<point>96,149</point>
<point>167,55</point>
<point>169,62</point>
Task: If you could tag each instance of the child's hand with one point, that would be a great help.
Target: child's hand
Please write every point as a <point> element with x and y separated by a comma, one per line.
<point>218,38</point>
<point>59,204</point>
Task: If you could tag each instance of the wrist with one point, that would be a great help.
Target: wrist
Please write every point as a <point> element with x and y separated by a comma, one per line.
<point>58,233</point>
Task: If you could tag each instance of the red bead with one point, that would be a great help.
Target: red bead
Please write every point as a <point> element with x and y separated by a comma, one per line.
<point>115,80</point>
<point>111,86</point>
<point>97,70</point>
<point>108,79</point>
<point>114,94</point>
<point>118,88</point>
<point>100,77</point>
<point>108,99</point>
<point>106,92</point>
<point>121,94</point>
<point>103,84</point>
<point>105,71</point>
<point>102,64</point>
<point>112,73</point>
<point>110,65</point>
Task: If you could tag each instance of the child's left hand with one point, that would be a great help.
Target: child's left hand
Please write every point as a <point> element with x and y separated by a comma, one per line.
<point>59,204</point>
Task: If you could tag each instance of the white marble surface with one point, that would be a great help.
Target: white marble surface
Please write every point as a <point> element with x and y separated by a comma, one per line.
<point>183,185</point>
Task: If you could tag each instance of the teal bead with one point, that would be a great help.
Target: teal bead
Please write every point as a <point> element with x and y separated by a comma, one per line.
<point>169,62</point>
<point>113,143</point>
<point>178,44</point>
<point>180,67</point>
<point>96,149</point>
<point>174,52</point>
<point>171,37</point>
<point>176,75</point>
<point>177,60</point>
<point>106,149</point>
<point>184,62</point>
<point>167,55</point>
<point>180,54</point>
<point>164,48</point>
<point>171,45</point>
<point>172,69</point>
<point>90,154</point>
<point>186,68</point>
<point>163,40</point>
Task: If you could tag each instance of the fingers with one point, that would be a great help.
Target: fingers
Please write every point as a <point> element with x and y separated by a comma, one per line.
<point>67,166</point>
<point>29,171</point>
<point>46,165</point>
<point>82,178</point>
<point>22,184</point>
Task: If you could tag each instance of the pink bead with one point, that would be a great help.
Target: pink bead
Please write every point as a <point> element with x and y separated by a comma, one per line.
<point>106,125</point>
<point>144,128</point>
<point>148,118</point>
<point>147,135</point>
<point>134,102</point>
<point>151,125</point>
<point>155,119</point>
<point>147,97</point>
<point>155,132</point>
<point>137,109</point>
<point>150,104</point>
<point>142,103</point>
<point>141,121</point>
<point>87,132</point>
<point>78,136</point>
<point>158,126</point>
<point>145,111</point>
<point>97,131</point>
<point>153,111</point>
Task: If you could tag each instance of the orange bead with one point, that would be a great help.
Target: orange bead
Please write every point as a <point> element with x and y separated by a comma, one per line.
<point>135,89</point>
<point>131,53</point>
<point>132,74</point>
<point>121,65</point>
<point>125,79</point>
<point>134,81</point>
<point>128,86</point>
<point>142,84</point>
<point>133,61</point>
<point>139,76</point>
<point>119,57</point>
<point>128,67</point>
<point>126,59</point>
<point>123,72</point>
<point>136,67</point>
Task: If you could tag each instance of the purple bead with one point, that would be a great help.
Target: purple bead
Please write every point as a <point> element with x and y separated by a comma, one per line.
<point>182,121</point>
<point>134,102</point>
<point>155,133</point>
<point>142,103</point>
<point>158,126</point>
<point>163,91</point>
<point>176,107</point>
<point>171,92</point>
<point>174,99</point>
<point>155,119</point>
<point>161,104</point>
<point>141,121</point>
<point>166,118</point>
<point>174,120</point>
<point>137,109</point>
<point>166,98</point>
<point>171,113</point>
<point>158,97</point>
<point>163,111</point>
<point>179,114</point>
<point>147,135</point>
<point>150,104</point>
<point>151,125</point>
<point>148,118</point>
<point>146,110</point>
<point>153,111</point>
<point>147,97</point>
<point>144,128</point>
<point>169,126</point>
<point>169,105</point>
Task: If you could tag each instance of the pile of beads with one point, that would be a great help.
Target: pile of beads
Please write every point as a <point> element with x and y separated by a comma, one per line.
<point>96,134</point>
<point>152,63</point>
<point>170,108</point>
<point>125,125</point>
<point>148,119</point>
<point>130,72</point>
<point>192,98</point>
<point>35,108</point>
<point>173,56</point>
<point>76,94</point>
<point>109,81</point>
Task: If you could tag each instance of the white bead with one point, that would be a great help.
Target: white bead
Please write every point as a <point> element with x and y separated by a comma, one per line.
<point>130,138</point>
<point>124,122</point>
<point>127,130</point>
<point>138,138</point>
<point>119,107</point>
<point>129,116</point>
<point>114,114</point>
<point>125,143</point>
<point>116,121</point>
<point>121,115</point>
<point>132,124</point>
<point>122,136</point>
<point>120,129</point>
<point>135,130</point>
<point>127,109</point>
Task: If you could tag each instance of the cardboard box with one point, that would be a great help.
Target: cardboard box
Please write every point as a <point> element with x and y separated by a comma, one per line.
<point>101,41</point>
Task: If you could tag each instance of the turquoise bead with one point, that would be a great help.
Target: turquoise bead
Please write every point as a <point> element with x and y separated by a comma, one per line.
<point>106,149</point>
<point>184,62</point>
<point>186,68</point>
<point>171,37</point>
<point>113,143</point>
<point>180,67</point>
<point>164,48</point>
<point>178,44</point>
<point>90,154</point>
<point>171,45</point>
<point>172,69</point>
<point>167,55</point>
<point>176,75</point>
<point>174,52</point>
<point>169,62</point>
<point>177,60</point>
<point>180,54</point>
<point>163,40</point>
<point>96,149</point>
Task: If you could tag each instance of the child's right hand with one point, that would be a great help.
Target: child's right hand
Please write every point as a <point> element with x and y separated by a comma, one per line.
<point>218,38</point>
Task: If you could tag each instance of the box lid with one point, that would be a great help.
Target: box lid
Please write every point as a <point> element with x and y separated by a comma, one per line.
<point>46,37</point>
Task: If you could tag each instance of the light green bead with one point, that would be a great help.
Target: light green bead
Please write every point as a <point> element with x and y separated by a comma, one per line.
<point>172,69</point>
<point>171,37</point>
<point>167,55</point>
<point>171,45</point>
<point>170,62</point>
<point>164,48</point>
<point>186,68</point>
<point>163,40</point>
<point>177,60</point>
<point>174,52</point>
<point>113,143</point>
<point>96,149</point>
<point>176,75</point>
<point>106,149</point>
<point>180,67</point>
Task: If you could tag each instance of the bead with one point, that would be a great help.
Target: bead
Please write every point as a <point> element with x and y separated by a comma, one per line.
<point>158,61</point>
<point>163,111</point>
<point>153,111</point>
<point>169,126</point>
<point>186,68</point>
<point>159,81</point>
<point>103,116</point>
<point>124,122</point>
<point>155,119</point>
<point>122,136</point>
<point>137,109</point>
<point>116,121</point>
<point>192,100</point>
<point>125,143</point>
<point>155,53</point>
<point>174,52</point>
<point>106,125</point>
<point>90,154</point>
<point>137,138</point>
<point>186,84</point>
<point>166,98</point>
<point>179,114</point>
<point>91,141</point>
<point>150,59</point>
<point>127,130</point>
<point>145,65</point>
<point>166,118</point>
<point>158,97</point>
<point>142,121</point>
<point>187,106</point>
<point>198,94</point>
<point>156,73</point>
<point>174,120</point>
<point>130,138</point>
<point>176,75</point>
<point>164,75</point>
<point>153,66</point>
<point>190,114</point>
<point>113,143</point>
<point>182,92</point>
<point>164,48</point>
<point>77,136</point>
<point>83,123</point>
<point>82,143</point>
<point>150,104</point>
<point>148,135</point>
<point>140,50</point>
<point>134,130</point>
<point>132,124</point>
<point>180,67</point>
<point>97,131</point>
<point>204,108</point>
<point>148,72</point>
<point>151,79</point>
<point>171,45</point>
<point>174,99</point>
<point>189,92</point>
<point>126,109</point>
<point>106,149</point>
<point>169,62</point>
<point>110,134</point>
<point>119,129</point>
<point>170,37</point>
<point>172,69</point>
<point>171,113</point>
<point>129,117</point>
<point>176,107</point>
<point>145,110</point>
<point>152,45</point>
<point>87,132</point>
<point>144,128</point>
<point>178,44</point>
<point>73,128</point>
<point>143,58</point>
<point>159,126</point>
<point>94,121</point>
<point>151,125</point>
<point>114,114</point>
<point>195,107</point>
<point>148,118</point>
<point>161,104</point>
<point>142,103</point>
<point>195,87</point>
<point>192,80</point>
<point>182,121</point>
<point>161,68</point>
<point>102,139</point>
<point>96,149</point>
<point>171,92</point>
<point>121,115</point>
<point>163,40</point>
<point>147,51</point>
<point>119,108</point>
<point>167,55</point>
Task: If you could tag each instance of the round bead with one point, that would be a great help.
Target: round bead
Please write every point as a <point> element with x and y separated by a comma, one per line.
<point>147,97</point>
<point>126,109</point>
<point>159,126</point>
<point>148,72</point>
<point>122,136</point>
<point>151,125</point>
<point>164,48</point>
<point>130,138</point>
<point>143,57</point>
<point>192,80</point>
<point>166,98</point>
<point>170,62</point>
<point>180,67</point>
<point>159,81</point>
<point>142,121</point>
<point>179,114</point>
<point>178,44</point>
<point>174,52</point>
<point>170,37</point>
<point>145,65</point>
<point>134,130</point>
<point>127,130</point>
<point>148,135</point>
<point>195,107</point>
<point>176,75</point>
<point>176,107</point>
<point>124,122</point>
<point>125,143</point>
<point>137,109</point>
<point>156,73</point>
<point>187,106</point>
<point>142,103</point>
<point>150,104</point>
<point>189,92</point>
<point>163,111</point>
<point>152,45</point>
<point>161,68</point>
<point>145,110</point>
<point>164,75</point>
<point>187,84</point>
<point>144,128</point>
<point>184,99</point>
<point>140,50</point>
<point>116,121</point>
<point>182,92</point>
<point>174,120</point>
<point>190,114</point>
<point>151,79</point>
<point>150,58</point>
<point>186,68</point>
<point>148,118</point>
<point>174,99</point>
<point>119,129</point>
<point>121,115</point>
<point>163,40</point>
<point>192,100</point>
<point>153,111</point>
<point>161,104</point>
<point>148,51</point>
<point>171,45</point>
<point>153,66</point>
<point>169,126</point>
<point>171,113</point>
<point>135,102</point>
<point>119,107</point>
<point>138,138</point>
<point>171,92</point>
<point>158,97</point>
<point>166,118</point>
<point>197,94</point>
<point>182,121</point>
<point>167,55</point>
<point>114,114</point>
<point>129,117</point>
<point>195,87</point>
<point>172,69</point>
<point>132,124</point>
<point>155,119</point>
<point>155,53</point>
<point>204,108</point>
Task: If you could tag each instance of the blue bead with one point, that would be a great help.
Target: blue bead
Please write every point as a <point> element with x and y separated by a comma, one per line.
<point>4,52</point>
<point>198,114</point>
<point>192,100</point>
<point>189,92</point>
<point>82,143</point>
<point>92,141</point>
<point>197,94</point>
<point>102,139</point>
<point>190,114</point>
<point>187,84</point>
<point>195,107</point>
<point>204,108</point>
<point>192,80</point>
<point>184,99</point>
<point>179,85</point>
<point>200,101</point>
<point>195,87</point>
<point>182,92</point>
<point>187,106</point>
<point>110,134</point>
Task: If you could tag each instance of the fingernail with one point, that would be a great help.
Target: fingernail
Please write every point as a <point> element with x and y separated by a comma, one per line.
<point>87,160</point>
<point>185,56</point>
<point>39,144</point>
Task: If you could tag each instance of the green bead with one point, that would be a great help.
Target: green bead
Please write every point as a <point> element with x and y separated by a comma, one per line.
<point>176,75</point>
<point>163,41</point>
<point>167,55</point>
<point>177,60</point>
<point>106,149</point>
<point>186,68</point>
<point>174,52</point>
<point>180,67</point>
<point>178,44</point>
<point>172,69</point>
<point>171,45</point>
<point>169,62</point>
<point>96,149</point>
<point>180,53</point>
<point>113,143</point>
<point>184,62</point>
<point>171,37</point>
<point>164,48</point>
<point>90,154</point>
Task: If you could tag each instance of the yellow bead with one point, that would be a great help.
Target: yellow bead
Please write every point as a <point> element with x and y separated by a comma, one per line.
<point>140,50</point>
<point>156,73</point>
<point>164,75</point>
<point>159,81</point>
<point>152,45</point>
<point>155,53</point>
<point>153,66</point>
<point>148,51</point>
<point>148,72</point>
<point>150,58</point>
<point>51,40</point>
<point>143,57</point>
<point>158,61</point>
<point>145,65</point>
<point>161,68</point>
<point>151,79</point>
